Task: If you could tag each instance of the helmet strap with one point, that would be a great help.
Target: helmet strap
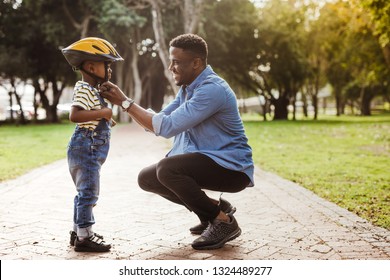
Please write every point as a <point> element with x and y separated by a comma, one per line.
<point>98,80</point>
<point>106,71</point>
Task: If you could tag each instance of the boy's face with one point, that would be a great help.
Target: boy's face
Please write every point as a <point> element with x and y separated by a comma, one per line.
<point>98,68</point>
<point>101,71</point>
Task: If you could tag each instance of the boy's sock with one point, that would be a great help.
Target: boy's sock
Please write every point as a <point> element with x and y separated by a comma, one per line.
<point>83,233</point>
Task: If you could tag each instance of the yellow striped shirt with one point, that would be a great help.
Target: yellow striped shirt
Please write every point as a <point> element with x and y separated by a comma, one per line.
<point>85,97</point>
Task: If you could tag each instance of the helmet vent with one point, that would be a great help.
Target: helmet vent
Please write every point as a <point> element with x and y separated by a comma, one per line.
<point>99,49</point>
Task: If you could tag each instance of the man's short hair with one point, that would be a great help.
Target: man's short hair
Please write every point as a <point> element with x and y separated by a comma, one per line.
<point>191,42</point>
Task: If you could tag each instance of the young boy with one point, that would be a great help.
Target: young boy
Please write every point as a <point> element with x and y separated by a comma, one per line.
<point>89,145</point>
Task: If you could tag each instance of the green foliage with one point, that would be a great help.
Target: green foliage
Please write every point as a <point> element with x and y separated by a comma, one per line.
<point>380,14</point>
<point>344,160</point>
<point>282,52</point>
<point>116,20</point>
<point>233,50</point>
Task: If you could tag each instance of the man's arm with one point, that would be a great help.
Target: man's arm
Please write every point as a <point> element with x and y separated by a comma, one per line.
<point>142,116</point>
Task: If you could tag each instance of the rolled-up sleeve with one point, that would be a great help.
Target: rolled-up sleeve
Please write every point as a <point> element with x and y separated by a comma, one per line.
<point>206,100</point>
<point>157,122</point>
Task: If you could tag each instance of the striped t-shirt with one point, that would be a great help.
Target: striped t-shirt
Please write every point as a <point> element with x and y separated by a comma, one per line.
<point>86,97</point>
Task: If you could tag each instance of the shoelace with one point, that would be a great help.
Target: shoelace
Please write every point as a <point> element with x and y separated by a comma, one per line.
<point>212,230</point>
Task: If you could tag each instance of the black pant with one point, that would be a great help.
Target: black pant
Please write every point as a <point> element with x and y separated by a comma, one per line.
<point>181,179</point>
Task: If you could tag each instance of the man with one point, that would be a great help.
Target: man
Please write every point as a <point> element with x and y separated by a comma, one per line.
<point>210,149</point>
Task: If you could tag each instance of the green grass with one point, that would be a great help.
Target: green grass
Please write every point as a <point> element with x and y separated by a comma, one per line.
<point>23,148</point>
<point>345,160</point>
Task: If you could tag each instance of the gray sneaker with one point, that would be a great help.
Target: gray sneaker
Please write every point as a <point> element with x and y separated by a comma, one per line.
<point>225,207</point>
<point>217,234</point>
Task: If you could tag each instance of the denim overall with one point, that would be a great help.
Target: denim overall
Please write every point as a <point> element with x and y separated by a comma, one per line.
<point>87,151</point>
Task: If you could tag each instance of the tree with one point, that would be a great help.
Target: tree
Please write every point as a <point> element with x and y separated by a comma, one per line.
<point>355,64</point>
<point>379,11</point>
<point>315,41</point>
<point>282,60</point>
<point>233,52</point>
<point>46,65</point>
<point>12,54</point>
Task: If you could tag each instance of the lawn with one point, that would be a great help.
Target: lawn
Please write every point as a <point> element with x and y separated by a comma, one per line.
<point>343,159</point>
<point>23,148</point>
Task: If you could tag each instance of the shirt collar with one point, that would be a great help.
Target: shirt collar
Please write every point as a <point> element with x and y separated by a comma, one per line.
<point>201,77</point>
<point>85,84</point>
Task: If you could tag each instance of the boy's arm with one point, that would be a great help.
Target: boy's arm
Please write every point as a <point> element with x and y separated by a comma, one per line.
<point>79,115</point>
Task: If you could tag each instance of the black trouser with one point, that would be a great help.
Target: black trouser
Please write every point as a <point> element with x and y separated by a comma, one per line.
<point>181,179</point>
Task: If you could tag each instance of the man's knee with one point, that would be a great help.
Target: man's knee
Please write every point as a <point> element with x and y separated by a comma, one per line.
<point>165,169</point>
<point>145,179</point>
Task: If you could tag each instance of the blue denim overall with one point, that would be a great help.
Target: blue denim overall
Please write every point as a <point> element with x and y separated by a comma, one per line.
<point>87,151</point>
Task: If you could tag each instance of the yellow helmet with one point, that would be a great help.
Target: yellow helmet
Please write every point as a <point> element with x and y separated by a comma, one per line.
<point>90,49</point>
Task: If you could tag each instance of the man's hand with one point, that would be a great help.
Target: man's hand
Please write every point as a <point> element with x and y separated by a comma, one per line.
<point>112,92</point>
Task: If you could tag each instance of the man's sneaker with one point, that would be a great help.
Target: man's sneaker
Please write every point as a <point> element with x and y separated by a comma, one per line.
<point>198,229</point>
<point>217,234</point>
<point>91,244</point>
<point>225,207</point>
<point>73,236</point>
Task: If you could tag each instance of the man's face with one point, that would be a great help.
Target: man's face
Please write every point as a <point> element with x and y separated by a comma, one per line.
<point>182,66</point>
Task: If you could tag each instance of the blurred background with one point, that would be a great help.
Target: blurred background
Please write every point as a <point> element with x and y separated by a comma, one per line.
<point>285,59</point>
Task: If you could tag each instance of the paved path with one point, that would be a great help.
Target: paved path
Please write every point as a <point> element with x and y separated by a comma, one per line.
<point>280,220</point>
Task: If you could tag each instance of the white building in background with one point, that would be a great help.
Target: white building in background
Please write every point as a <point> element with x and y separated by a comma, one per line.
<point>251,104</point>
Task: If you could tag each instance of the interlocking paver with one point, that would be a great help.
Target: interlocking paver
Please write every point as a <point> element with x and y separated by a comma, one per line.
<point>279,219</point>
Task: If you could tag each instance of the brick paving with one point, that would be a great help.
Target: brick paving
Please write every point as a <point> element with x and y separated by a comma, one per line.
<point>280,220</point>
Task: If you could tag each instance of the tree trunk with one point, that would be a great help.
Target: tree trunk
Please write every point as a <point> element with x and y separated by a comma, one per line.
<point>315,105</point>
<point>337,94</point>
<point>35,105</point>
<point>136,75</point>
<point>51,114</point>
<point>11,104</point>
<point>304,105</point>
<point>43,97</point>
<point>191,15</point>
<point>160,39</point>
<point>365,104</point>
<point>281,110</point>
<point>294,100</point>
<point>18,101</point>
<point>264,108</point>
<point>82,26</point>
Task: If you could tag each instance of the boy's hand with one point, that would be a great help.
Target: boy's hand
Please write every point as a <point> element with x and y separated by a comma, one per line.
<point>106,113</point>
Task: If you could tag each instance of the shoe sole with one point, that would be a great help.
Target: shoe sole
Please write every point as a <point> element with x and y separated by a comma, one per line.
<point>220,244</point>
<point>197,232</point>
<point>88,249</point>
<point>231,211</point>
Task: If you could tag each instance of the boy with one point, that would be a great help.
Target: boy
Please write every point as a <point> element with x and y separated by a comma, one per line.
<point>89,145</point>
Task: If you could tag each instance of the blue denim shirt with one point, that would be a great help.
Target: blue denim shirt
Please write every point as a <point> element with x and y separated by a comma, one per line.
<point>204,118</point>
